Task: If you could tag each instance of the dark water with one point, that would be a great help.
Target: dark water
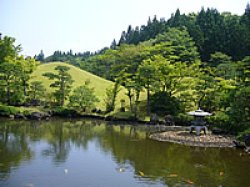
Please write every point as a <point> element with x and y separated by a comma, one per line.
<point>89,153</point>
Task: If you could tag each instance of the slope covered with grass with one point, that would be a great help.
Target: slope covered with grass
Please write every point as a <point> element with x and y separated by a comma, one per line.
<point>79,76</point>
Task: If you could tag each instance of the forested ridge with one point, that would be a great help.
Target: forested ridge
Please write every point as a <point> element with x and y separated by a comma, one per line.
<point>211,31</point>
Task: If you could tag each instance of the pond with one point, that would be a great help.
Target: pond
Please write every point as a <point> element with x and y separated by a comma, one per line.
<point>95,154</point>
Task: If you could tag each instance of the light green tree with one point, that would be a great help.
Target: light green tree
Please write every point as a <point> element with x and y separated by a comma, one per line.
<point>111,95</point>
<point>148,73</point>
<point>83,97</point>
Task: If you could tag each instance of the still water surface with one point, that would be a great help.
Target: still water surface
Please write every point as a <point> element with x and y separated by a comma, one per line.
<point>94,154</point>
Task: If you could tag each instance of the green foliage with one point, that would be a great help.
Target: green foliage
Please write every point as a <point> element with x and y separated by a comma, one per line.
<point>161,103</point>
<point>79,76</point>
<point>15,72</point>
<point>147,73</point>
<point>63,83</point>
<point>240,109</point>
<point>219,58</point>
<point>7,48</point>
<point>8,110</point>
<point>211,31</point>
<point>83,97</point>
<point>181,44</point>
<point>111,95</point>
<point>134,86</point>
<point>37,90</point>
<point>183,119</point>
<point>220,119</point>
<point>64,112</point>
<point>242,134</point>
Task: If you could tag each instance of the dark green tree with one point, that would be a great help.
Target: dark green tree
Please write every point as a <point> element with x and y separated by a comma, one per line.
<point>62,83</point>
<point>37,90</point>
<point>40,57</point>
<point>182,45</point>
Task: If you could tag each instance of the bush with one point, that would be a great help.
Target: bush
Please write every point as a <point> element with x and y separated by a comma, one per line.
<point>219,119</point>
<point>8,110</point>
<point>64,112</point>
<point>161,103</point>
<point>183,119</point>
<point>242,136</point>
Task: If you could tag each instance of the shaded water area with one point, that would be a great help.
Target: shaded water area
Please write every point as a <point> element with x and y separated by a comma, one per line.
<point>93,153</point>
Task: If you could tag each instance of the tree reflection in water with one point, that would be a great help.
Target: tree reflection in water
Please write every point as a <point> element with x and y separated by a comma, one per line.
<point>149,161</point>
<point>59,144</point>
<point>13,147</point>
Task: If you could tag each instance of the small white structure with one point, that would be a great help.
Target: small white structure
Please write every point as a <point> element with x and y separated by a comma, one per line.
<point>199,113</point>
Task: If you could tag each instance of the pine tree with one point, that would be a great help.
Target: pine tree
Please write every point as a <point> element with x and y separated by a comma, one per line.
<point>40,56</point>
<point>63,83</point>
<point>113,45</point>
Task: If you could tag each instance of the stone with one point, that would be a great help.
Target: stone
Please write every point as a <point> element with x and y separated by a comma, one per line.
<point>239,144</point>
<point>20,116</point>
<point>169,120</point>
<point>11,116</point>
<point>185,138</point>
<point>198,129</point>
<point>36,115</point>
<point>247,139</point>
<point>247,150</point>
<point>154,119</point>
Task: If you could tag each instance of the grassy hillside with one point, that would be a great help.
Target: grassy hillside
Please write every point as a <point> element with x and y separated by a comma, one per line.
<point>79,76</point>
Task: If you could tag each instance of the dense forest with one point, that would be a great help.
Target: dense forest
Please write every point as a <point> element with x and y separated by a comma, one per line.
<point>169,67</point>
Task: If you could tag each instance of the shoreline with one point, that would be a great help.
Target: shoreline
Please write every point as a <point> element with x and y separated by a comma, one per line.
<point>187,139</point>
<point>159,132</point>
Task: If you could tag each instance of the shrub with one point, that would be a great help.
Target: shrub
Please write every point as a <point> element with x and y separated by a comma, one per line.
<point>161,104</point>
<point>8,110</point>
<point>64,112</point>
<point>243,134</point>
<point>183,119</point>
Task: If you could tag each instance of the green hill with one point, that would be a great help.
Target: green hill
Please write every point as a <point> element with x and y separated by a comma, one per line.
<point>79,76</point>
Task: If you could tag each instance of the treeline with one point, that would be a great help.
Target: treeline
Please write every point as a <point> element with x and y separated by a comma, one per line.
<point>69,56</point>
<point>211,31</point>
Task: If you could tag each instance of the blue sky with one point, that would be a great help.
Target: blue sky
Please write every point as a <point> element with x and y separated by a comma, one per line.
<point>88,25</point>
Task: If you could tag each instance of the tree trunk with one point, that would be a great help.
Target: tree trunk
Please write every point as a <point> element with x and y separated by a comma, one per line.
<point>148,99</point>
<point>63,94</point>
<point>8,93</point>
<point>130,102</point>
<point>24,88</point>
